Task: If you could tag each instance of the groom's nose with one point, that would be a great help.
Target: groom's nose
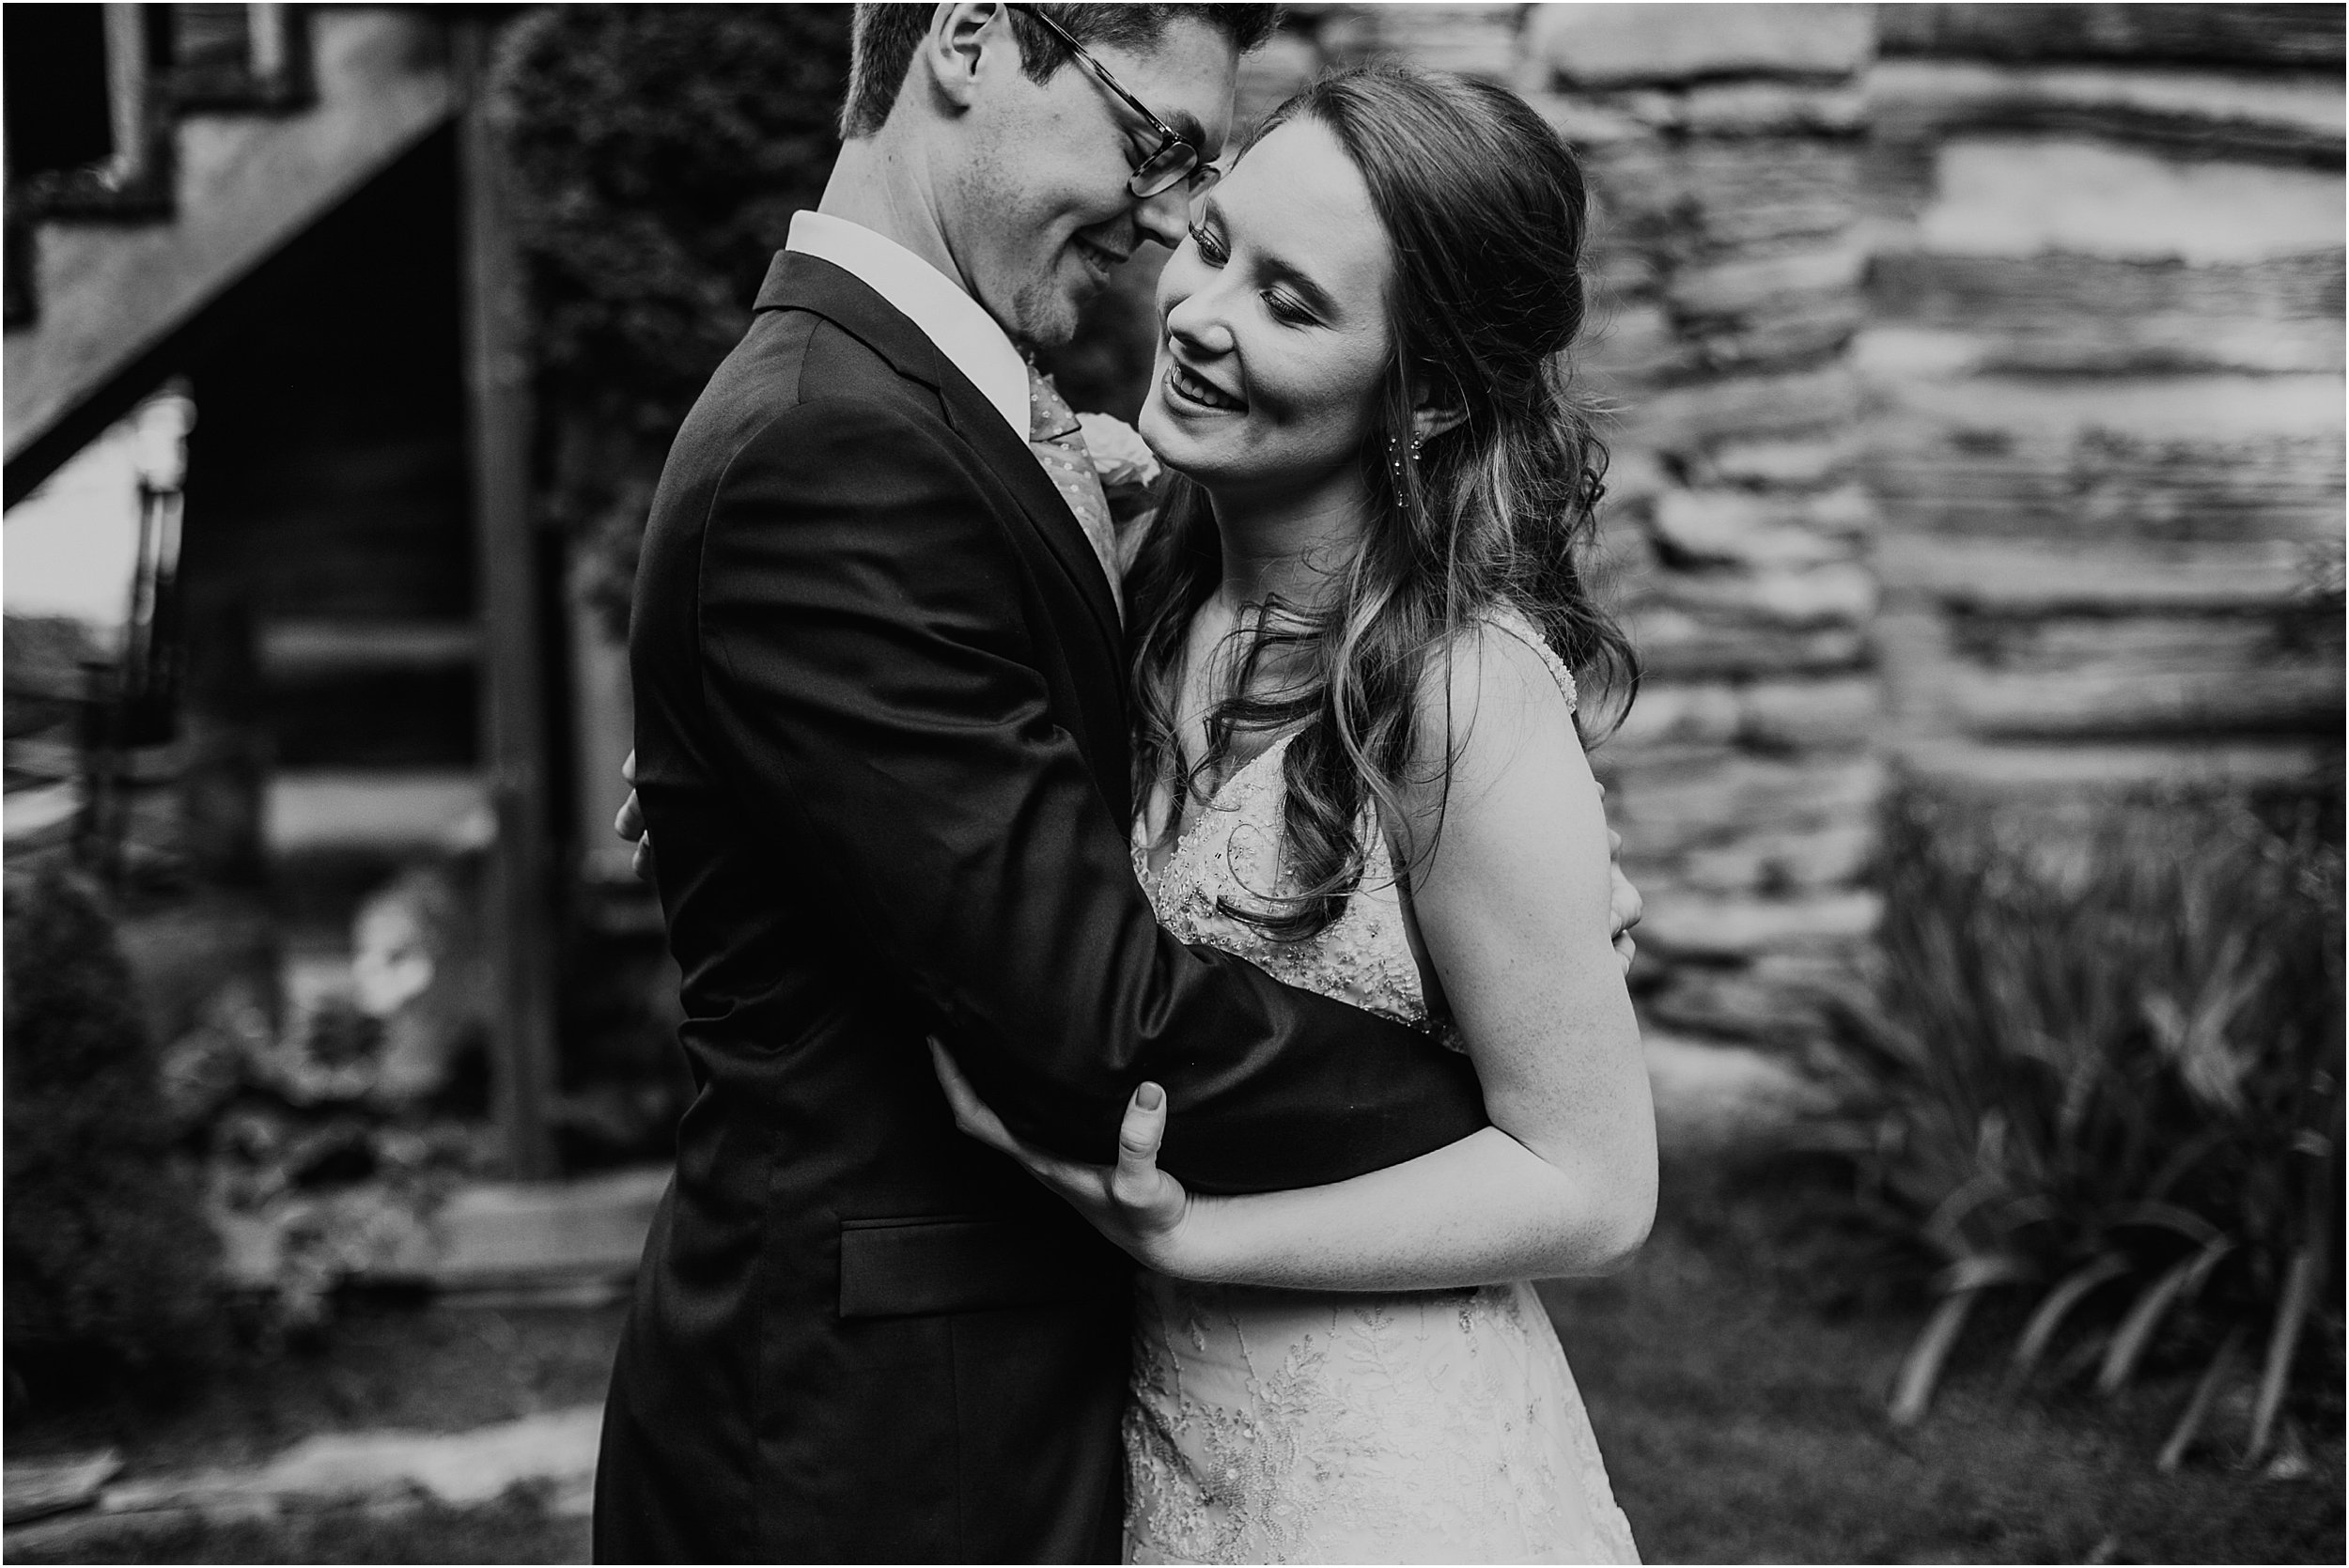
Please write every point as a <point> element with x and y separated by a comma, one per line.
<point>1165,217</point>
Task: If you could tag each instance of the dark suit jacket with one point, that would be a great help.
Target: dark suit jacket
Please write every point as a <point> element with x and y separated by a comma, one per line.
<point>881,746</point>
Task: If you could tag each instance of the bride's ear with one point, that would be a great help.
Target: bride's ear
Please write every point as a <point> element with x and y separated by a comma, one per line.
<point>1428,421</point>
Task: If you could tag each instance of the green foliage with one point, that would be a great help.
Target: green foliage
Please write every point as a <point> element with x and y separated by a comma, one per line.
<point>110,1266</point>
<point>2102,1078</point>
<point>660,153</point>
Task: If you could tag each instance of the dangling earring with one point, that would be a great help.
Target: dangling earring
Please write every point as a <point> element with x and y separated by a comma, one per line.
<point>1417,442</point>
<point>1394,471</point>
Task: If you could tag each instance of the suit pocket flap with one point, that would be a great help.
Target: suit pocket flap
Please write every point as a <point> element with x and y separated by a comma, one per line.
<point>894,1267</point>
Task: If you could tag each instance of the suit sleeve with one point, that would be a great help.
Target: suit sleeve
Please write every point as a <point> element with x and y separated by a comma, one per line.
<point>868,672</point>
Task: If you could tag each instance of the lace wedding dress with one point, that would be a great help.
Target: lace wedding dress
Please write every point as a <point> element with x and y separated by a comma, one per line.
<point>1296,1426</point>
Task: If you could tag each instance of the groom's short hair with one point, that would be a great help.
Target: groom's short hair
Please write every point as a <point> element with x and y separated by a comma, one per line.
<point>885,36</point>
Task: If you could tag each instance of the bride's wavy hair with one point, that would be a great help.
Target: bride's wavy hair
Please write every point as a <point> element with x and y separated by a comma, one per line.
<point>1486,210</point>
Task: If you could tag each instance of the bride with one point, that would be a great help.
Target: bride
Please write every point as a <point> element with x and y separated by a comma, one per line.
<point>1353,625</point>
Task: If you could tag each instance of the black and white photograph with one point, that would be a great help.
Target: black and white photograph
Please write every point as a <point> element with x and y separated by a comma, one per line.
<point>1190,784</point>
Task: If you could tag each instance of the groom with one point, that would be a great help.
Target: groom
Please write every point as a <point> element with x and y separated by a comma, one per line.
<point>881,746</point>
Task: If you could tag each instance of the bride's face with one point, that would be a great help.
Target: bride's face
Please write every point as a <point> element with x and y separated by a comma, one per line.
<point>1273,336</point>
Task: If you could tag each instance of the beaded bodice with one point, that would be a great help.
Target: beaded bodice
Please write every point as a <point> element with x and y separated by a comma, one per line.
<point>1231,854</point>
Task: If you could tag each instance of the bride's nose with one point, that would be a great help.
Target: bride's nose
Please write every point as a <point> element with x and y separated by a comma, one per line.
<point>1199,321</point>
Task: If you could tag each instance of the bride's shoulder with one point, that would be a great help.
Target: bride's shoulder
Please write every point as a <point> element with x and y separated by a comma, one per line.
<point>1499,664</point>
<point>1491,688</point>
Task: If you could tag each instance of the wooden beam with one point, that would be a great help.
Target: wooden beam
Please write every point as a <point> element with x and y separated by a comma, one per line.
<point>520,922</point>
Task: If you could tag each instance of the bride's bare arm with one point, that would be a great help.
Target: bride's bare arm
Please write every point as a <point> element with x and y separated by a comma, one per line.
<point>1511,904</point>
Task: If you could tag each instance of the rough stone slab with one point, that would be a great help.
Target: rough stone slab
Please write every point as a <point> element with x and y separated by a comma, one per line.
<point>1677,644</point>
<point>2066,771</point>
<point>1472,39</point>
<point>1717,195</point>
<point>1832,718</point>
<point>1630,344</point>
<point>1792,462</point>
<point>1759,528</point>
<point>1618,45</point>
<point>1725,928</point>
<point>1744,286</point>
<point>2266,117</point>
<point>2246,35</point>
<point>2081,459</point>
<point>2068,313</point>
<point>2211,409</point>
<point>1809,715</point>
<point>2042,577</point>
<point>2126,676</point>
<point>2148,703</point>
<point>2025,195</point>
<point>1674,801</point>
<point>2136,346</point>
<point>1589,121</point>
<point>2046,292</point>
<point>1773,108</point>
<point>1798,597</point>
<point>1742,407</point>
<point>1776,863</point>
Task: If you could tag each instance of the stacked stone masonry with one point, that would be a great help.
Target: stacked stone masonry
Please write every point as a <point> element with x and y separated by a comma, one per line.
<point>1974,392</point>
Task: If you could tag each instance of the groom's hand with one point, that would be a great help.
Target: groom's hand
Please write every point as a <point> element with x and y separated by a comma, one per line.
<point>629,824</point>
<point>1623,903</point>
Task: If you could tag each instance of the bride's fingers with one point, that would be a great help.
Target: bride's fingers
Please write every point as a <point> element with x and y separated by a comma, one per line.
<point>1136,1180</point>
<point>971,1113</point>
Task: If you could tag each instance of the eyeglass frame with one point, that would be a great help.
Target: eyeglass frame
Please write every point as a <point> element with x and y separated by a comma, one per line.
<point>1199,173</point>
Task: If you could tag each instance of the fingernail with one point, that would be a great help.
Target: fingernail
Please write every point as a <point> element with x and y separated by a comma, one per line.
<point>1149,1096</point>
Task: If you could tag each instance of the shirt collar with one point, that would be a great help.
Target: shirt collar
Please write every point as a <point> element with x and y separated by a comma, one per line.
<point>952,319</point>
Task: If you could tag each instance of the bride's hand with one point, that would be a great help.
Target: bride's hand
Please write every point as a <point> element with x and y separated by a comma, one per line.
<point>1623,903</point>
<point>1133,1203</point>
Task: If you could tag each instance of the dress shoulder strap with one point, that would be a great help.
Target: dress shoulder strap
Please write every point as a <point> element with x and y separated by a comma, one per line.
<point>1519,625</point>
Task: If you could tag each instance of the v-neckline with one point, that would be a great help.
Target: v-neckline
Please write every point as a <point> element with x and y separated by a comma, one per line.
<point>1145,851</point>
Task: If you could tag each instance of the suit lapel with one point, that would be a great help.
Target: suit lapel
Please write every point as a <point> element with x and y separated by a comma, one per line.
<point>802,281</point>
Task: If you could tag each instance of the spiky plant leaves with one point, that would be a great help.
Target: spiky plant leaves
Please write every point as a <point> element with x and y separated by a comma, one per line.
<point>1962,1285</point>
<point>2123,1043</point>
<point>2198,1408</point>
<point>2180,1279</point>
<point>2291,1311</point>
<point>2039,1330</point>
<point>1912,1391</point>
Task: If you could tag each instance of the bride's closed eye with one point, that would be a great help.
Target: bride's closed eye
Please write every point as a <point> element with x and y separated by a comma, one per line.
<point>1210,246</point>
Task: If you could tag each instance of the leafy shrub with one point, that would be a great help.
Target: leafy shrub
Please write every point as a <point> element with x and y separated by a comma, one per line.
<point>110,1266</point>
<point>659,154</point>
<point>2103,1079</point>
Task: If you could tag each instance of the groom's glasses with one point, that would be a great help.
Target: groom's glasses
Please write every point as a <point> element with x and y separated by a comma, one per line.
<point>1177,157</point>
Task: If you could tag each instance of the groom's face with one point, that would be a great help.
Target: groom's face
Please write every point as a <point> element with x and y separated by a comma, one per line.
<point>1044,208</point>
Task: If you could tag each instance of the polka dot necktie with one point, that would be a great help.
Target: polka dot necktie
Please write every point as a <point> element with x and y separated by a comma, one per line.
<point>1058,444</point>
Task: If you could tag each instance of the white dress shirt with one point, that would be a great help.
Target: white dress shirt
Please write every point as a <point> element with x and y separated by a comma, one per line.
<point>949,318</point>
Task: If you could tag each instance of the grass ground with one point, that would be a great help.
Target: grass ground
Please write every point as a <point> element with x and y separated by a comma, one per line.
<point>1735,1375</point>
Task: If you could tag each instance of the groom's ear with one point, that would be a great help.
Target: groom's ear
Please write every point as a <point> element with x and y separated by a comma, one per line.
<point>954,52</point>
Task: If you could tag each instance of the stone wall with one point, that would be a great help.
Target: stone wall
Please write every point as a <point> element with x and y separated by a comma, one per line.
<point>2104,344</point>
<point>1975,377</point>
